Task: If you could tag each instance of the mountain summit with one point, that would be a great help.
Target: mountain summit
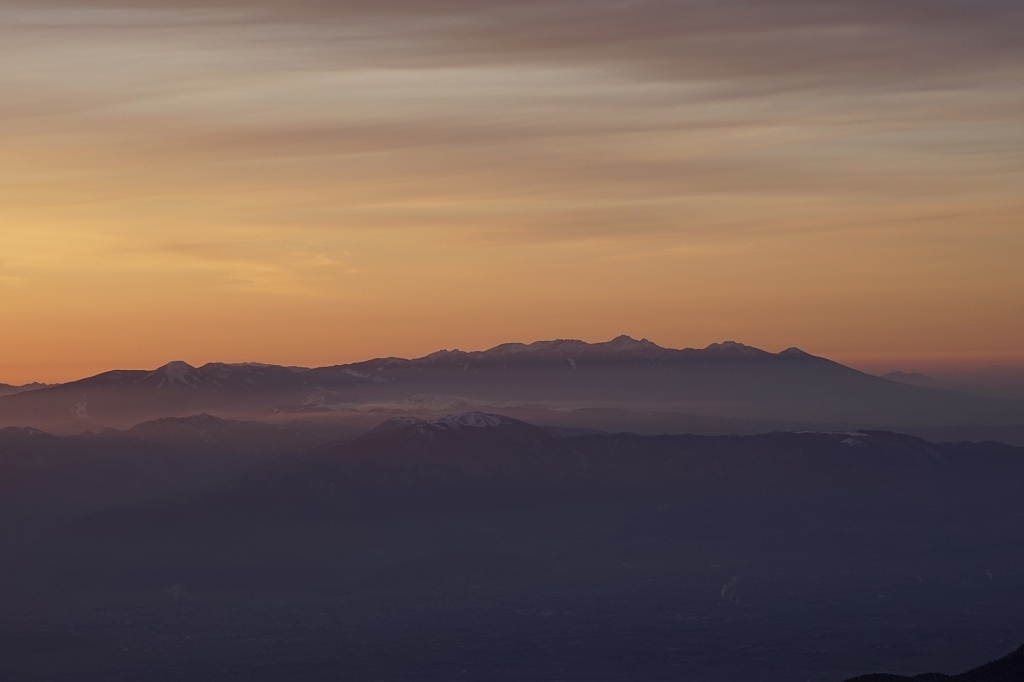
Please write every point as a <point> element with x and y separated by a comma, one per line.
<point>176,372</point>
<point>622,349</point>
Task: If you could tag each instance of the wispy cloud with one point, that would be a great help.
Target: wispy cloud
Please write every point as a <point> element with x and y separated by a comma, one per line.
<point>866,42</point>
<point>659,150</point>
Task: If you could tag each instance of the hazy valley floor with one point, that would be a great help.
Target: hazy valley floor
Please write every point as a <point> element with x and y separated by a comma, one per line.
<point>560,595</point>
<point>482,548</point>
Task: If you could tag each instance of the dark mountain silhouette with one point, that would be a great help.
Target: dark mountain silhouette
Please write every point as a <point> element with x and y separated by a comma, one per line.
<point>722,381</point>
<point>1010,668</point>
<point>459,463</point>
<point>253,437</point>
<point>42,472</point>
<point>212,549</point>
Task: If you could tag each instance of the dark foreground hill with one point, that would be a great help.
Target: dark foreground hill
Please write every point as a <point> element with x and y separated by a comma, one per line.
<point>726,382</point>
<point>479,547</point>
<point>1010,668</point>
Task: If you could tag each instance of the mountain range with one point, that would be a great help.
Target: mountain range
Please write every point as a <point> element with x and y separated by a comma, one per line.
<point>628,384</point>
<point>557,510</point>
<point>475,542</point>
<point>478,461</point>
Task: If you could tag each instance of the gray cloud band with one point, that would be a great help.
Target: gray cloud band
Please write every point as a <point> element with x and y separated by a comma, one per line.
<point>566,118</point>
<point>799,43</point>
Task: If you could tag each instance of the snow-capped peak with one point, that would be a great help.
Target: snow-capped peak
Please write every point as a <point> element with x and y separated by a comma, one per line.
<point>177,372</point>
<point>451,422</point>
<point>476,420</point>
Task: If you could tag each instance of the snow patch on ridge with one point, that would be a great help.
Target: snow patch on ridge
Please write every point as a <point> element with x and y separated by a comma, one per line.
<point>476,420</point>
<point>451,422</point>
<point>177,372</point>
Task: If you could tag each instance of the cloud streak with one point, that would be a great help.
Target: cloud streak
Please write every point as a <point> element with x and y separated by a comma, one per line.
<point>454,145</point>
<point>861,41</point>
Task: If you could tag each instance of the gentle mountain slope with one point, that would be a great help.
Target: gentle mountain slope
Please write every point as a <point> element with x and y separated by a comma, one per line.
<point>1007,669</point>
<point>6,389</point>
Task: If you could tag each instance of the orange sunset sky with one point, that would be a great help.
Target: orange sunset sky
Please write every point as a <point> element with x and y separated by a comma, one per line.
<point>320,182</point>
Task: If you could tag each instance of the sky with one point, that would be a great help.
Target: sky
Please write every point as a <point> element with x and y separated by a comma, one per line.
<point>313,182</point>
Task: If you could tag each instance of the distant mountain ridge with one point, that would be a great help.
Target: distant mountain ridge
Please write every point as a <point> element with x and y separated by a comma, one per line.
<point>725,380</point>
<point>482,461</point>
<point>159,457</point>
<point>622,349</point>
<point>994,382</point>
<point>7,389</point>
<point>476,454</point>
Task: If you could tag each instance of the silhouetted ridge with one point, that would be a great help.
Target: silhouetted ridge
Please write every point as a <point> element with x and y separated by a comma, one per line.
<point>1010,668</point>
<point>620,349</point>
<point>22,431</point>
<point>735,350</point>
<point>203,427</point>
<point>7,389</point>
<point>197,422</point>
<point>726,380</point>
<point>475,460</point>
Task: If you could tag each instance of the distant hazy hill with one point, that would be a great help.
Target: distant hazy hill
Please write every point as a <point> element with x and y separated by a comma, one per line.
<point>913,379</point>
<point>39,471</point>
<point>476,460</point>
<point>993,382</point>
<point>6,389</point>
<point>727,381</point>
<point>472,542</point>
<point>326,515</point>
